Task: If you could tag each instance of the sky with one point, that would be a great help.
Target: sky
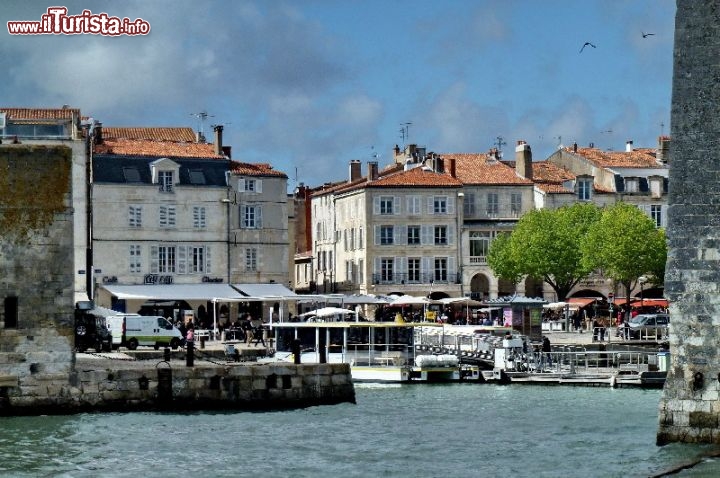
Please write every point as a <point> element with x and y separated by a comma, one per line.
<point>309,85</point>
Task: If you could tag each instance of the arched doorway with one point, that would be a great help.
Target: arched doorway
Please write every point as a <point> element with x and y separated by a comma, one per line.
<point>505,288</point>
<point>533,287</point>
<point>479,287</point>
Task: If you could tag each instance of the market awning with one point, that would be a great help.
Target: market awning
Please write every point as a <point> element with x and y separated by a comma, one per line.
<point>175,291</point>
<point>270,291</point>
<point>581,301</point>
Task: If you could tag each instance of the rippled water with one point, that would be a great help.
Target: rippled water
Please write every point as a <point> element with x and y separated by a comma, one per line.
<point>460,430</point>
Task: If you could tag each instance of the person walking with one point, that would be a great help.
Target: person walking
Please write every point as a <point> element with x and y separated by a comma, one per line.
<point>545,350</point>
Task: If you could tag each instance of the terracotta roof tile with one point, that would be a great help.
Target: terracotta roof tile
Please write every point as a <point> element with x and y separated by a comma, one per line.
<point>131,147</point>
<point>638,158</point>
<point>150,133</point>
<point>255,169</point>
<point>35,114</point>
<point>415,177</point>
<point>474,168</point>
<point>549,177</point>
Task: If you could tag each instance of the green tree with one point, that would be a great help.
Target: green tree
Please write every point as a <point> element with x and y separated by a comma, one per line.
<point>545,245</point>
<point>625,245</point>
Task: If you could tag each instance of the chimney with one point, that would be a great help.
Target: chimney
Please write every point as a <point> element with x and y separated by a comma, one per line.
<point>218,146</point>
<point>97,132</point>
<point>629,146</point>
<point>355,170</point>
<point>439,165</point>
<point>451,168</point>
<point>372,170</point>
<point>574,147</point>
<point>227,151</point>
<point>523,160</point>
<point>663,149</point>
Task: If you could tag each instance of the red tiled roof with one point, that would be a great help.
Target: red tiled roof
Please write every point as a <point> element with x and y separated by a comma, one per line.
<point>132,147</point>
<point>549,177</point>
<point>20,114</point>
<point>474,168</point>
<point>255,169</point>
<point>150,133</point>
<point>415,177</point>
<point>638,158</point>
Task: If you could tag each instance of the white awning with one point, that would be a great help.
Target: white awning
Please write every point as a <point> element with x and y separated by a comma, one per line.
<point>214,292</point>
<point>271,291</point>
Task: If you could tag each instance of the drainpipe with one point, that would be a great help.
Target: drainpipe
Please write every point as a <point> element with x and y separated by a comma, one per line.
<point>458,212</point>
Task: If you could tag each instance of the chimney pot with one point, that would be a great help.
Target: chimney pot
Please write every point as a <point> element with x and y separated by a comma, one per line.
<point>355,170</point>
<point>523,160</point>
<point>218,146</point>
<point>629,146</point>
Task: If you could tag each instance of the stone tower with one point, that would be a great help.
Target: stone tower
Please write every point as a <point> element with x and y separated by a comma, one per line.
<point>690,409</point>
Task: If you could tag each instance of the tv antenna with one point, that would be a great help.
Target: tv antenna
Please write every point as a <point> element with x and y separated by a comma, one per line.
<point>662,128</point>
<point>202,116</point>
<point>499,142</point>
<point>405,131</point>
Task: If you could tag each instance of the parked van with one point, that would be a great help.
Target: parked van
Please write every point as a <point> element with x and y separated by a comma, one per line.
<point>90,329</point>
<point>131,330</point>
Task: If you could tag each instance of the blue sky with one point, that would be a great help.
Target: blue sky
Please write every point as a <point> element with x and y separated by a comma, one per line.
<point>309,85</point>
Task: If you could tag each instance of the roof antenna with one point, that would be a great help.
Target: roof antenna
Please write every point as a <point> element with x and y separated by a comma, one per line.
<point>405,131</point>
<point>499,142</point>
<point>201,116</point>
<point>662,129</point>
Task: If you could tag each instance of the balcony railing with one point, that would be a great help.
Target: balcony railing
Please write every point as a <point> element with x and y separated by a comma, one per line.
<point>410,279</point>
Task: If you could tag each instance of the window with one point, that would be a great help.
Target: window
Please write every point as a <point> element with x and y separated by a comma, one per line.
<point>197,176</point>
<point>167,216</point>
<point>479,246</point>
<point>631,185</point>
<point>413,269</point>
<point>414,205</point>
<point>386,235</point>
<point>11,312</point>
<point>199,217</point>
<point>413,235</point>
<point>492,204</point>
<point>135,216</point>
<point>584,186</point>
<point>469,205</point>
<point>386,205</point>
<point>251,185</point>
<point>135,259</point>
<point>165,179</point>
<point>352,239</point>
<point>440,205</point>
<point>441,272</point>
<point>386,269</point>
<point>656,214</point>
<point>515,204</point>
<point>166,259</point>
<point>197,260</point>
<point>361,271</point>
<point>251,259</point>
<point>132,175</point>
<point>251,217</point>
<point>360,238</point>
<point>441,235</point>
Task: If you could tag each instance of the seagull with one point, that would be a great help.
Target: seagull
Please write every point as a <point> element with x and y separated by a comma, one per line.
<point>586,44</point>
<point>645,35</point>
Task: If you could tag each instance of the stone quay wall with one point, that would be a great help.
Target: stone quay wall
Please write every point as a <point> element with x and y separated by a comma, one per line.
<point>689,408</point>
<point>150,385</point>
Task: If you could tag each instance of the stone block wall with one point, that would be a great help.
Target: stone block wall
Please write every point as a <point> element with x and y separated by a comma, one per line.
<point>36,268</point>
<point>689,409</point>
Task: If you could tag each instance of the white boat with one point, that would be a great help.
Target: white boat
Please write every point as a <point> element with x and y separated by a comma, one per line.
<point>375,351</point>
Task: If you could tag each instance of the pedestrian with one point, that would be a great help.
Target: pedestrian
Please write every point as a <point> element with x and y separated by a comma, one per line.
<point>577,323</point>
<point>546,349</point>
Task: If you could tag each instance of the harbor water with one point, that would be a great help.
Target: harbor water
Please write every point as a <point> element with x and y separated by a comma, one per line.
<point>457,430</point>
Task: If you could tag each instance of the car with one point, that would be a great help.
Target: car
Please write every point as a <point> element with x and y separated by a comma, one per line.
<point>91,332</point>
<point>653,326</point>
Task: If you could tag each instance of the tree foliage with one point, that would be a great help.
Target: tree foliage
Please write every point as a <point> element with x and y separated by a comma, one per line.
<point>625,245</point>
<point>545,245</point>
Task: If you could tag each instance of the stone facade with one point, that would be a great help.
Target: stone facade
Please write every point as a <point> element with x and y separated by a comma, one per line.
<point>689,409</point>
<point>36,270</point>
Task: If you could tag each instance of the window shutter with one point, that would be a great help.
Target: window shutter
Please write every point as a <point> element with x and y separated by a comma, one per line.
<point>401,267</point>
<point>451,234</point>
<point>431,205</point>
<point>171,216</point>
<point>426,234</point>
<point>377,235</point>
<point>452,269</point>
<point>426,269</point>
<point>401,235</point>
<point>258,185</point>
<point>451,205</point>
<point>208,260</point>
<point>182,260</point>
<point>258,214</point>
<point>397,205</point>
<point>378,266</point>
<point>243,184</point>
<point>154,267</point>
<point>376,205</point>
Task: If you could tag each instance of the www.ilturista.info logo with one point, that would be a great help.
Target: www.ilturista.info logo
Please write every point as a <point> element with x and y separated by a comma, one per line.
<point>57,22</point>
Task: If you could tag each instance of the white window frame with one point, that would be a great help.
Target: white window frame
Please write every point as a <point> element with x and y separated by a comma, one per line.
<point>197,259</point>
<point>414,205</point>
<point>584,189</point>
<point>440,269</point>
<point>135,258</point>
<point>387,205</point>
<point>440,235</point>
<point>387,235</point>
<point>166,259</point>
<point>656,214</point>
<point>166,181</point>
<point>199,217</point>
<point>251,262</point>
<point>166,216</point>
<point>251,216</point>
<point>414,270</point>
<point>440,205</point>
<point>414,239</point>
<point>135,216</point>
<point>493,204</point>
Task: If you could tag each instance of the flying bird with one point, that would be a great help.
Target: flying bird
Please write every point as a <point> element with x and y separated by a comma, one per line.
<point>645,35</point>
<point>586,44</point>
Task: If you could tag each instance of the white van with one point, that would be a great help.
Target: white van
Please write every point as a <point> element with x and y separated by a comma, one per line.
<point>131,330</point>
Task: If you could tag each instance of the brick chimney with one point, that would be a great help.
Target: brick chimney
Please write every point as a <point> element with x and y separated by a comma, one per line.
<point>217,144</point>
<point>372,170</point>
<point>97,132</point>
<point>450,167</point>
<point>355,170</point>
<point>663,150</point>
<point>523,160</point>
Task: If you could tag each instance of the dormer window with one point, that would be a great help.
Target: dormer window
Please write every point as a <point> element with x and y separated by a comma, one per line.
<point>631,185</point>
<point>165,179</point>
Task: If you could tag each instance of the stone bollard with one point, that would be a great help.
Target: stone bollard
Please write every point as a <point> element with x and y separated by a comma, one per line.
<point>295,347</point>
<point>166,354</point>
<point>190,357</point>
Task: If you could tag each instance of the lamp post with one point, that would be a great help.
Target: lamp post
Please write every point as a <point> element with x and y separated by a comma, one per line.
<point>458,212</point>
